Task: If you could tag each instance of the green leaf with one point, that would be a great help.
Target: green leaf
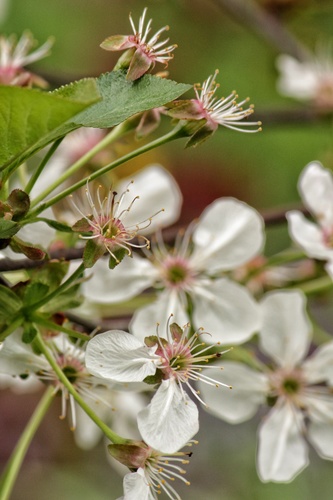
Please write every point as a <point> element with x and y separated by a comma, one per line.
<point>29,333</point>
<point>20,203</point>
<point>119,255</point>
<point>9,302</point>
<point>31,119</point>
<point>92,252</point>
<point>35,292</point>
<point>51,273</point>
<point>122,98</point>
<point>8,228</point>
<point>33,252</point>
<point>58,226</point>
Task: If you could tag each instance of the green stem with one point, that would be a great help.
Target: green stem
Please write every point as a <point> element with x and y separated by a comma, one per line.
<point>115,133</point>
<point>115,438</point>
<point>317,285</point>
<point>11,328</point>
<point>176,133</point>
<point>42,164</point>
<point>57,291</point>
<point>59,328</point>
<point>14,464</point>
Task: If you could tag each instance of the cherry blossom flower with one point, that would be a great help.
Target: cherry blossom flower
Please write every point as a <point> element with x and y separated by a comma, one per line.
<point>309,80</point>
<point>147,51</point>
<point>105,219</point>
<point>152,470</point>
<point>316,238</point>
<point>228,234</point>
<point>19,359</point>
<point>295,387</point>
<point>212,112</point>
<point>14,55</point>
<point>171,419</point>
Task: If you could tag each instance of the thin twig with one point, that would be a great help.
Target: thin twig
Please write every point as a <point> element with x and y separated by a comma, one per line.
<point>250,14</point>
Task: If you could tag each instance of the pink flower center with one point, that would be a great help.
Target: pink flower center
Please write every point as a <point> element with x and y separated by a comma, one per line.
<point>177,272</point>
<point>287,383</point>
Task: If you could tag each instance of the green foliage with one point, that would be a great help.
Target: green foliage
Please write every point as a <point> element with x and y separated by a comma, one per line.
<point>92,252</point>
<point>8,228</point>
<point>119,255</point>
<point>122,98</point>
<point>29,333</point>
<point>31,119</point>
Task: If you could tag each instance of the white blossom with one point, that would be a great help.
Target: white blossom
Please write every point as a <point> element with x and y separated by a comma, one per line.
<point>171,419</point>
<point>228,234</point>
<point>316,238</point>
<point>295,387</point>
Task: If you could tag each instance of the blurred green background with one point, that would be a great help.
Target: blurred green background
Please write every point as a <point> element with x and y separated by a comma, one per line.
<point>261,169</point>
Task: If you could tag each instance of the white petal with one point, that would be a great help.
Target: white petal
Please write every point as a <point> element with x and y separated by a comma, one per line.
<point>286,330</point>
<point>308,235</point>
<point>157,190</point>
<point>316,188</point>
<point>170,420</point>
<point>320,429</point>
<point>226,310</point>
<point>119,356</point>
<point>319,366</point>
<point>229,233</point>
<point>282,451</point>
<point>128,279</point>
<point>17,358</point>
<point>329,269</point>
<point>249,389</point>
<point>145,319</point>
<point>297,79</point>
<point>136,486</point>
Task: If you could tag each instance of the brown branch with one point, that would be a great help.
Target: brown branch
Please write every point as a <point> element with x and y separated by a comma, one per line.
<point>271,217</point>
<point>251,15</point>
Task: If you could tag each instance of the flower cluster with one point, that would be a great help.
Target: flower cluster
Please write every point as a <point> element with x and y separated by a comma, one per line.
<point>119,334</point>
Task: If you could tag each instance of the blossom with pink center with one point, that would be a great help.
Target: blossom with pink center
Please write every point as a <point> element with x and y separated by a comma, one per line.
<point>171,419</point>
<point>295,388</point>
<point>147,51</point>
<point>14,55</point>
<point>19,359</point>
<point>228,234</point>
<point>213,112</point>
<point>316,238</point>
<point>105,220</point>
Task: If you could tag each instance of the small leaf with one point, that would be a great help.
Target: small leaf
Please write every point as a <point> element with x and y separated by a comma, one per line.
<point>51,273</point>
<point>29,333</point>
<point>92,252</point>
<point>31,251</point>
<point>82,226</point>
<point>9,302</point>
<point>118,257</point>
<point>176,332</point>
<point>116,42</point>
<point>154,379</point>
<point>58,226</point>
<point>8,228</point>
<point>140,64</point>
<point>34,292</point>
<point>20,203</point>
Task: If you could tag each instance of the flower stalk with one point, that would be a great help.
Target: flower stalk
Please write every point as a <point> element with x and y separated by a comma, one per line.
<point>176,133</point>
<point>14,464</point>
<point>109,433</point>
